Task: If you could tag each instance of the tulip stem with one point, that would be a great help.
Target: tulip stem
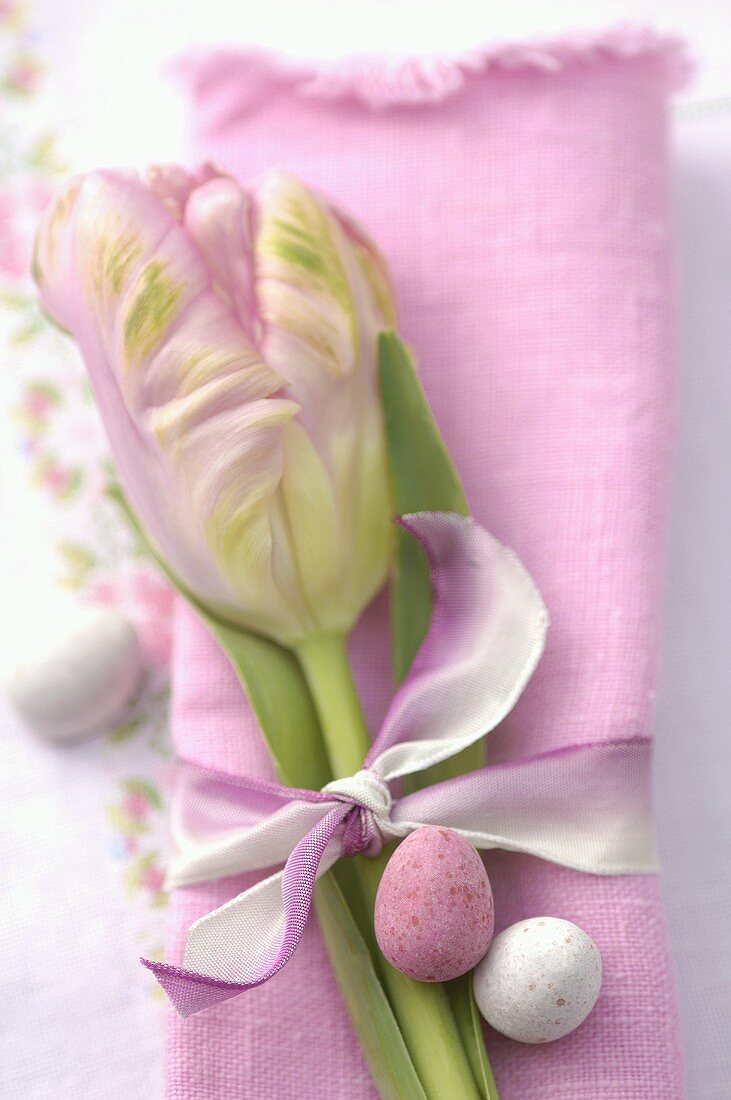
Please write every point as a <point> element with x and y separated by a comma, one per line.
<point>422,1010</point>
<point>325,664</point>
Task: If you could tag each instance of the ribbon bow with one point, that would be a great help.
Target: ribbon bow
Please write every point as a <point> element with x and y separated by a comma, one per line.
<point>585,806</point>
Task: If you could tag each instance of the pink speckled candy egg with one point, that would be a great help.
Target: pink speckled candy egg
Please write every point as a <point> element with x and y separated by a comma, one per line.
<point>434,910</point>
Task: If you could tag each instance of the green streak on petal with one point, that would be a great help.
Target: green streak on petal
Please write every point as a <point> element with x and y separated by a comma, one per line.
<point>313,524</point>
<point>298,249</point>
<point>35,268</point>
<point>114,256</point>
<point>200,366</point>
<point>303,248</point>
<point>151,311</point>
<point>238,535</point>
<point>61,212</point>
<point>213,363</point>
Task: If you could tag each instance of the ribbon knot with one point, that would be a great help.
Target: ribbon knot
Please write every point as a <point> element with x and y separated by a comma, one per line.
<point>584,806</point>
<point>369,823</point>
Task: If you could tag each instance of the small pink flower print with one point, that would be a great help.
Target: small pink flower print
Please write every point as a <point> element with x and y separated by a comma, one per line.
<point>55,478</point>
<point>131,845</point>
<point>135,805</point>
<point>35,406</point>
<point>22,76</point>
<point>59,480</point>
<point>9,11</point>
<point>152,879</point>
<point>104,591</point>
<point>37,403</point>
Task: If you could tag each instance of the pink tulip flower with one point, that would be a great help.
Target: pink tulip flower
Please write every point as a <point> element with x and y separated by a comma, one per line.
<point>230,338</point>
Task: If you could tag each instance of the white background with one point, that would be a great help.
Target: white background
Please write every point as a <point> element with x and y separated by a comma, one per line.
<point>106,63</point>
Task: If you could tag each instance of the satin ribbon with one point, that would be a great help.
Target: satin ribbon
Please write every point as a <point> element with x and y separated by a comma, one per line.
<point>585,806</point>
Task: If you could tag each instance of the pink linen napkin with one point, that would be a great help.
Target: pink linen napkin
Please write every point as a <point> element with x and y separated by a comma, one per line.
<point>521,197</point>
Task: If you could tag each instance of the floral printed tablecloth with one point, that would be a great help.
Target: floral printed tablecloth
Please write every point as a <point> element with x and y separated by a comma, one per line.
<point>82,833</point>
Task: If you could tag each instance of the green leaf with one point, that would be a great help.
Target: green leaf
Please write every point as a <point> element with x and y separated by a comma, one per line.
<point>281,700</point>
<point>283,705</point>
<point>373,1019</point>
<point>424,479</point>
<point>271,678</point>
<point>469,1022</point>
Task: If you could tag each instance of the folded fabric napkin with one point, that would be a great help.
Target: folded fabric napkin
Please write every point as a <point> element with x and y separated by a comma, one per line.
<point>521,197</point>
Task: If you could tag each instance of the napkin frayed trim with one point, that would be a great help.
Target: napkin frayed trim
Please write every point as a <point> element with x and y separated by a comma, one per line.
<point>380,81</point>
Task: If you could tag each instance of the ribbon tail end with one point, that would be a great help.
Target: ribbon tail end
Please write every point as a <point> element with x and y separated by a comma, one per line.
<point>189,992</point>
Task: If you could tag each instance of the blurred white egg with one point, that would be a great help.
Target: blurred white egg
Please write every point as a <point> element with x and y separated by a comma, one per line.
<point>82,669</point>
<point>539,980</point>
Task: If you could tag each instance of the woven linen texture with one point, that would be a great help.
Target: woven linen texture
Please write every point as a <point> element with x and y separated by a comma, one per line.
<point>525,218</point>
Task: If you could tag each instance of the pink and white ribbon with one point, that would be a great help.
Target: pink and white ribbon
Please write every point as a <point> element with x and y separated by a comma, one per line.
<point>584,806</point>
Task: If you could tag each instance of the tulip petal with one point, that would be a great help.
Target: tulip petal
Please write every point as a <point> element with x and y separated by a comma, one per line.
<point>314,526</point>
<point>206,347</point>
<point>233,465</point>
<point>187,401</point>
<point>373,268</point>
<point>323,295</point>
<point>217,216</point>
<point>174,185</point>
<point>372,543</point>
<point>305,300</point>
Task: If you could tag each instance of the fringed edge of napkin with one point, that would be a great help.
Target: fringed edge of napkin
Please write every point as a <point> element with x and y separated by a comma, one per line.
<point>386,80</point>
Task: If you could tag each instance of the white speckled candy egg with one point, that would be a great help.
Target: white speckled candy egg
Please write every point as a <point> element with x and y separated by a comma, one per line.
<point>539,980</point>
<point>82,670</point>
